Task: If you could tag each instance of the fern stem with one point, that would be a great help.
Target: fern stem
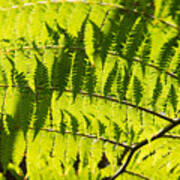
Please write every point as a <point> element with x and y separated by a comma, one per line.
<point>136,59</point>
<point>123,167</point>
<point>109,98</point>
<point>90,136</point>
<point>136,174</point>
<point>110,5</point>
<point>160,134</point>
<point>144,142</point>
<point>172,136</point>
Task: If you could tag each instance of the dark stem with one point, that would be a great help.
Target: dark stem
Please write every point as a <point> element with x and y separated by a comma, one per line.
<point>90,136</point>
<point>144,142</point>
<point>109,98</point>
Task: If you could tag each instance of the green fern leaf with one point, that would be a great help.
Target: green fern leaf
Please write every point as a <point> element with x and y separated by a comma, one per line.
<point>166,54</point>
<point>43,95</point>
<point>145,53</point>
<point>13,69</point>
<point>97,38</point>
<point>177,70</point>
<point>89,42</point>
<point>138,90</point>
<point>108,30</point>
<point>6,149</point>
<point>134,40</point>
<point>110,79</point>
<point>62,66</point>
<point>124,28</point>
<point>102,128</point>
<point>88,121</point>
<point>79,65</point>
<point>125,83</point>
<point>54,35</point>
<point>157,91</point>
<point>24,106</point>
<point>117,131</point>
<point>62,124</point>
<point>174,10</point>
<point>119,87</point>
<point>178,75</point>
<point>74,123</point>
<point>6,143</point>
<point>90,80</point>
<point>173,98</point>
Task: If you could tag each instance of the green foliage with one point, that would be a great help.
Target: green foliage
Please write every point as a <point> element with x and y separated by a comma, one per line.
<point>138,90</point>
<point>134,40</point>
<point>61,67</point>
<point>157,91</point>
<point>43,95</point>
<point>89,89</point>
<point>167,53</point>
<point>110,79</point>
<point>173,97</point>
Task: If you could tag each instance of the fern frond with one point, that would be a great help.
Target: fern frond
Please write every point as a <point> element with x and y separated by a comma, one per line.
<point>89,42</point>
<point>43,95</point>
<point>145,53</point>
<point>62,65</point>
<point>54,35</point>
<point>79,64</point>
<point>117,131</point>
<point>108,30</point>
<point>62,124</point>
<point>74,123</point>
<point>88,122</point>
<point>24,106</point>
<point>178,73</point>
<point>173,98</point>
<point>125,82</point>
<point>91,79</point>
<point>66,56</point>
<point>124,28</point>
<point>101,128</point>
<point>6,141</point>
<point>167,53</point>
<point>110,79</point>
<point>13,69</point>
<point>157,91</point>
<point>134,40</point>
<point>138,90</point>
<point>119,87</point>
<point>97,38</point>
<point>174,10</point>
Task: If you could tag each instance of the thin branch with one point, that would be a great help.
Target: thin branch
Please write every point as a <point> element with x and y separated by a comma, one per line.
<point>123,167</point>
<point>139,145</point>
<point>90,136</point>
<point>136,59</point>
<point>120,7</point>
<point>160,134</point>
<point>137,174</point>
<point>171,136</point>
<point>128,104</point>
<point>123,155</point>
<point>109,98</point>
